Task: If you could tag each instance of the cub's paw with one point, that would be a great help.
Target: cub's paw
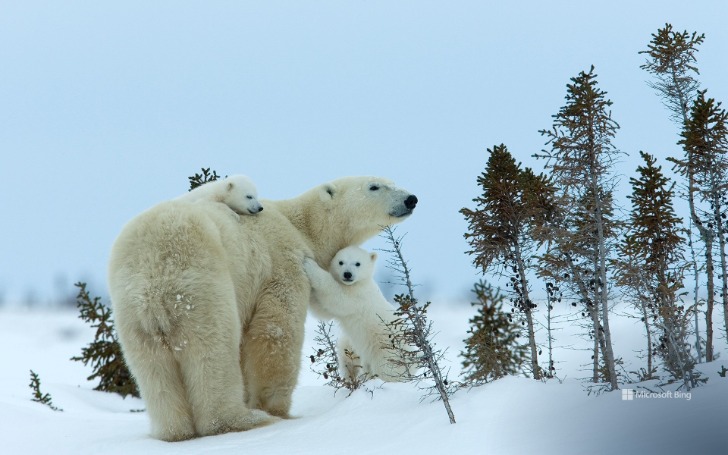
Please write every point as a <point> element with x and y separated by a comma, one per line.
<point>313,270</point>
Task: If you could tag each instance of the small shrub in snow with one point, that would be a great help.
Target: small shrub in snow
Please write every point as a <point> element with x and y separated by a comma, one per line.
<point>38,396</point>
<point>325,362</point>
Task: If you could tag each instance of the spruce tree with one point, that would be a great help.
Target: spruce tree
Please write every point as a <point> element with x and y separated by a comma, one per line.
<point>651,265</point>
<point>581,158</point>
<point>705,140</point>
<point>671,59</point>
<point>492,349</point>
<point>501,230</point>
<point>104,353</point>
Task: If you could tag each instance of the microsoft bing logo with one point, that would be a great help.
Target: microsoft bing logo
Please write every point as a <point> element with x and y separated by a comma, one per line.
<point>627,394</point>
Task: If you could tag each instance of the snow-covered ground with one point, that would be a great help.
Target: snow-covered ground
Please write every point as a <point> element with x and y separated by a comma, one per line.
<point>510,416</point>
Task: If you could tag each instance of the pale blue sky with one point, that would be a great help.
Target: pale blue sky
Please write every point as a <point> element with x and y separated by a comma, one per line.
<point>107,107</point>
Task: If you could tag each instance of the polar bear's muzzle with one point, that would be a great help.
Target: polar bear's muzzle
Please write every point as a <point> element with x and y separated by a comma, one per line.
<point>406,208</point>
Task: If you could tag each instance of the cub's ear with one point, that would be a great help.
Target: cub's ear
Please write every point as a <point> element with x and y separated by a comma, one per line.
<point>229,187</point>
<point>373,256</point>
<point>328,191</point>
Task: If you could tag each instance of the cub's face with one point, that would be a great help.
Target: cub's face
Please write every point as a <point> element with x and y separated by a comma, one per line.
<point>249,201</point>
<point>242,196</point>
<point>352,264</point>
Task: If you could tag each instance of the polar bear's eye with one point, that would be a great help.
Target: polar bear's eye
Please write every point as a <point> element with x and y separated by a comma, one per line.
<point>358,264</point>
<point>341,262</point>
<point>249,197</point>
<point>373,187</point>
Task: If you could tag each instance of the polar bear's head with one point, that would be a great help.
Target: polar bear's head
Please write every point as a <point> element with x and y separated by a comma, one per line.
<point>352,264</point>
<point>239,193</point>
<point>360,207</point>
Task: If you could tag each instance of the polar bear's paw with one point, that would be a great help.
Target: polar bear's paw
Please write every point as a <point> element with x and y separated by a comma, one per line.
<point>247,420</point>
<point>257,418</point>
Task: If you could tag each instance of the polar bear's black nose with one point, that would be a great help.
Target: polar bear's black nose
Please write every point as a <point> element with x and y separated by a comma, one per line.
<point>347,276</point>
<point>411,201</point>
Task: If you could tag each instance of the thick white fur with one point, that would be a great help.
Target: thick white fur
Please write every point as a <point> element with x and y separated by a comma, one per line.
<point>210,308</point>
<point>237,192</point>
<point>348,294</point>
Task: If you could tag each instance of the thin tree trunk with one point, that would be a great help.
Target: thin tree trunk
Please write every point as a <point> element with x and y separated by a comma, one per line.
<point>705,236</point>
<point>698,348</point>
<point>595,323</point>
<point>722,251</point>
<point>593,314</point>
<point>549,304</point>
<point>602,278</point>
<point>608,353</point>
<point>529,316</point>
<point>532,345</point>
<point>696,272</point>
<point>710,299</point>
<point>646,319</point>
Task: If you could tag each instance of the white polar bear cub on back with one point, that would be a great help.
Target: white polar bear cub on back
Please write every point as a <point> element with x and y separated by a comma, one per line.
<point>348,294</point>
<point>237,192</point>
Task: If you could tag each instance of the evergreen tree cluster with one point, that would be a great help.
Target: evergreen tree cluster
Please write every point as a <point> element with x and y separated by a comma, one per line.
<point>565,226</point>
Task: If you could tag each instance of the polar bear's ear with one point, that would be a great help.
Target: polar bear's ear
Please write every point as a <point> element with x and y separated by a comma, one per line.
<point>229,187</point>
<point>373,256</point>
<point>328,191</point>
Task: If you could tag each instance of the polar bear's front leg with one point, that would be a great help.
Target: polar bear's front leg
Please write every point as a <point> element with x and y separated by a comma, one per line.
<point>321,280</point>
<point>327,292</point>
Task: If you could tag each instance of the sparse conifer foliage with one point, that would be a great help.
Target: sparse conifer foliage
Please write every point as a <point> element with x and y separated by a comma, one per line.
<point>672,60</point>
<point>411,332</point>
<point>492,349</point>
<point>104,353</point>
<point>38,396</point>
<point>325,361</point>
<point>200,179</point>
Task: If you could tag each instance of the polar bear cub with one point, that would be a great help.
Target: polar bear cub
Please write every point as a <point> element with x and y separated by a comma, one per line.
<point>237,192</point>
<point>348,294</point>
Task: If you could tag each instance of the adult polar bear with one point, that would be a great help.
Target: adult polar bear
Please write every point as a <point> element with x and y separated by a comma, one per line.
<point>210,307</point>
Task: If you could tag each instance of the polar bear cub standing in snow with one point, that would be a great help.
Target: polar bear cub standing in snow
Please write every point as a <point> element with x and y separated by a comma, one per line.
<point>237,192</point>
<point>348,294</point>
